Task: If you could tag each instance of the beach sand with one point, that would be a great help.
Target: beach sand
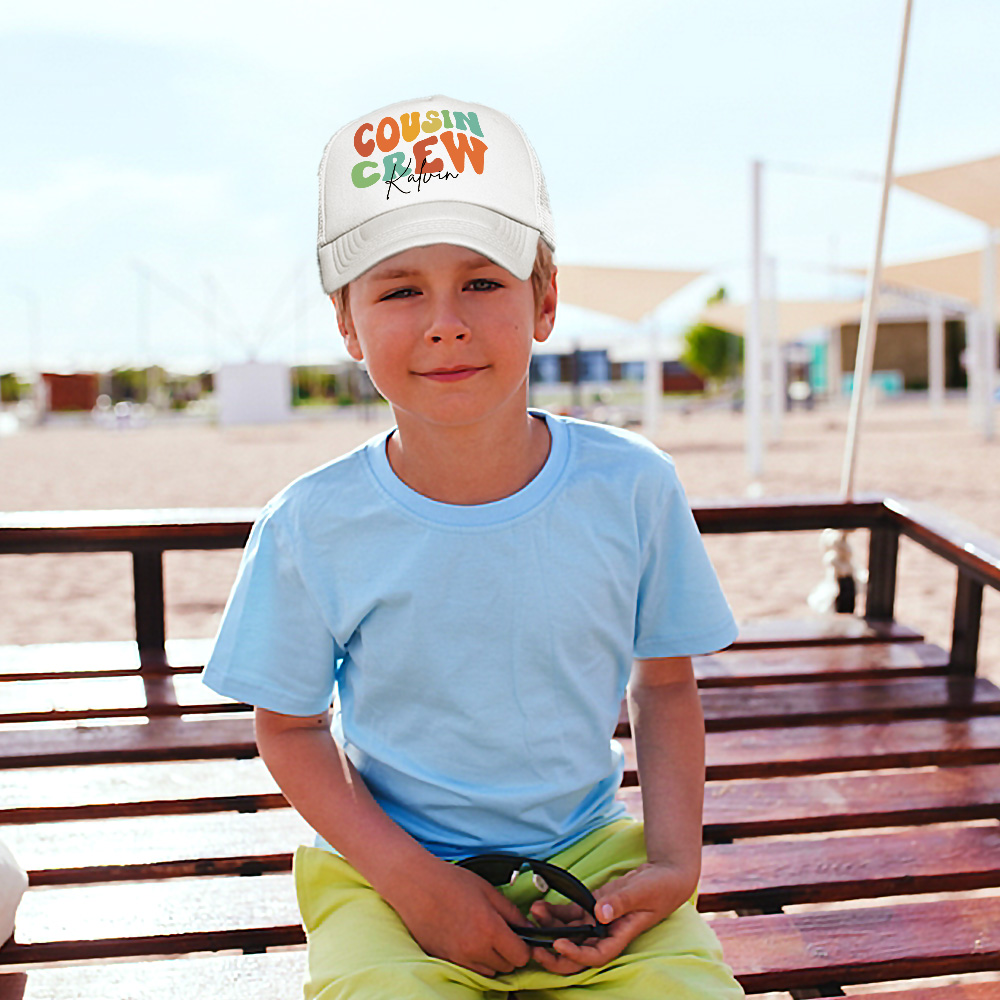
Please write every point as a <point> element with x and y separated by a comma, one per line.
<point>905,450</point>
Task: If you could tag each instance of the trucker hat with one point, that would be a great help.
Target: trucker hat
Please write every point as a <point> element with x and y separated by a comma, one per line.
<point>429,170</point>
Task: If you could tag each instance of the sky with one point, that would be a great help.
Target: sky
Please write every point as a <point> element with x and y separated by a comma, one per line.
<point>158,172</point>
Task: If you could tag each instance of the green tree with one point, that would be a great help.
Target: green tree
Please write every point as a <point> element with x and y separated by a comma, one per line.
<point>711,352</point>
<point>12,388</point>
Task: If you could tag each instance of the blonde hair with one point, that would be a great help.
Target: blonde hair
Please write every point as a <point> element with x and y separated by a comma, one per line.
<point>541,277</point>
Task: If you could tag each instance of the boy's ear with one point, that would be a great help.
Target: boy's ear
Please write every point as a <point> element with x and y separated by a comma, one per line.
<point>546,317</point>
<point>346,326</point>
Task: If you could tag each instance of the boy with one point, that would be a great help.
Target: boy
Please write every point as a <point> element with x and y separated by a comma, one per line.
<point>477,585</point>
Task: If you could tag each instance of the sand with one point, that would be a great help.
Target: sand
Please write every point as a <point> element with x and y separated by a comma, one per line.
<point>71,464</point>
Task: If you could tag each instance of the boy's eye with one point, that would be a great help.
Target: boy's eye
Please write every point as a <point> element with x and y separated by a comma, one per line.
<point>484,284</point>
<point>398,293</point>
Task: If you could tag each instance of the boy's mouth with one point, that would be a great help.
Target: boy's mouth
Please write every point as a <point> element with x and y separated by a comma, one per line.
<point>452,374</point>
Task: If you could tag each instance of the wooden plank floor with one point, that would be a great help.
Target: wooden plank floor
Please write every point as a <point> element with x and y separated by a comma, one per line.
<point>848,777</point>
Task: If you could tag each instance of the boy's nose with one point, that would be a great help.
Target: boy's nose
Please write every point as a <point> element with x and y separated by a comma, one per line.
<point>446,325</point>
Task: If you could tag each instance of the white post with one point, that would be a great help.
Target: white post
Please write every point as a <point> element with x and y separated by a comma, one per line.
<point>972,323</point>
<point>653,381</point>
<point>834,364</point>
<point>777,365</point>
<point>988,355</point>
<point>869,314</point>
<point>935,357</point>
<point>752,352</point>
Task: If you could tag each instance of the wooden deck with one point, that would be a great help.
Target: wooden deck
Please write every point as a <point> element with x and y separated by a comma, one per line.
<point>851,811</point>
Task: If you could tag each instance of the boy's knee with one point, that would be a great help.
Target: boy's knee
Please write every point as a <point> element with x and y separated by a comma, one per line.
<point>422,979</point>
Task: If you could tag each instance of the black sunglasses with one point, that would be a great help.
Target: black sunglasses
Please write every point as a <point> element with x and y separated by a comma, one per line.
<point>503,869</point>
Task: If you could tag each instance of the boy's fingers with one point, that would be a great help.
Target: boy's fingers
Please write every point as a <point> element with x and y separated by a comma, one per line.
<point>589,954</point>
<point>559,964</point>
<point>557,913</point>
<point>622,934</point>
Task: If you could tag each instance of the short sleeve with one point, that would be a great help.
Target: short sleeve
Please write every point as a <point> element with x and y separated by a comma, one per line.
<point>273,648</point>
<point>681,609</point>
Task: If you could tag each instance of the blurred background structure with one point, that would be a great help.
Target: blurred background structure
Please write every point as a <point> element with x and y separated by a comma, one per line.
<point>159,206</point>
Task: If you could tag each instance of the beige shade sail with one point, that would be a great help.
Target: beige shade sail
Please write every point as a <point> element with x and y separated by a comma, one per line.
<point>972,188</point>
<point>959,276</point>
<point>795,316</point>
<point>627,292</point>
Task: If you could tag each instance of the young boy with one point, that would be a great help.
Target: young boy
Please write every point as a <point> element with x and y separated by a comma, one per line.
<point>477,586</point>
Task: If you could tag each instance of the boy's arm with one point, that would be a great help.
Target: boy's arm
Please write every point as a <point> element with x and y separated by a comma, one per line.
<point>450,912</point>
<point>669,732</point>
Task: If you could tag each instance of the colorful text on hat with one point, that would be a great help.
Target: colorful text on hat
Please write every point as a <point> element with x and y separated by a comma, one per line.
<point>463,150</point>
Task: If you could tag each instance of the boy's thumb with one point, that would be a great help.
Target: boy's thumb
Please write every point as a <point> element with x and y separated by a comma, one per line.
<point>619,901</point>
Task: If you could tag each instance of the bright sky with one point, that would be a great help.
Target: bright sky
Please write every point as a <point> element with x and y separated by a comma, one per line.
<point>158,176</point>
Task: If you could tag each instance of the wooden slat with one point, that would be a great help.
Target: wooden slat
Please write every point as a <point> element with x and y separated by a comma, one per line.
<point>815,804</point>
<point>737,665</point>
<point>110,697</point>
<point>772,952</point>
<point>724,708</point>
<point>121,658</point>
<point>783,665</point>
<point>764,874</point>
<point>270,976</point>
<point>953,991</point>
<point>158,739</point>
<point>751,753</point>
<point>862,944</point>
<point>848,701</point>
<point>94,659</point>
<point>172,916</point>
<point>743,753</point>
<point>123,530</point>
<point>136,841</point>
<point>820,803</point>
<point>966,545</point>
<point>108,785</point>
<point>775,873</point>
<point>733,808</point>
<point>821,631</point>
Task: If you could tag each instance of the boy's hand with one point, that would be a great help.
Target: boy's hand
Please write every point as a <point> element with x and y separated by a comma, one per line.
<point>628,905</point>
<point>454,914</point>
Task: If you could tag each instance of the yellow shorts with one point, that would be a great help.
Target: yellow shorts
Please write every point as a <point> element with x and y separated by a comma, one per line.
<point>359,948</point>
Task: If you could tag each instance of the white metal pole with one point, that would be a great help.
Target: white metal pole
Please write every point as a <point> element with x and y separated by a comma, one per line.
<point>935,357</point>
<point>776,365</point>
<point>869,314</point>
<point>752,347</point>
<point>972,323</point>
<point>653,382</point>
<point>988,354</point>
<point>834,364</point>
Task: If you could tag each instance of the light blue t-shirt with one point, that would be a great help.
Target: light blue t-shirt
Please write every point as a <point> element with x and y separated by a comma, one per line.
<point>479,654</point>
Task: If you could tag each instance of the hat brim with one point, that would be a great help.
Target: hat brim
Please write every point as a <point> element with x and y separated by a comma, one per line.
<point>506,242</point>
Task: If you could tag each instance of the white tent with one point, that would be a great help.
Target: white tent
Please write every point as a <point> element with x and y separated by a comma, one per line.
<point>627,292</point>
<point>630,293</point>
<point>972,188</point>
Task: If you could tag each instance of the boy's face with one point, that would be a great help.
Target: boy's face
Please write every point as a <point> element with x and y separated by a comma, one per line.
<point>446,334</point>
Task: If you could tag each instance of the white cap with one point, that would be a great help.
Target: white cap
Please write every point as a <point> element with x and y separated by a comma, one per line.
<point>429,170</point>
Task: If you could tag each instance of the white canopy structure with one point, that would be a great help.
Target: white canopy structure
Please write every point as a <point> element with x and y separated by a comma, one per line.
<point>972,188</point>
<point>794,316</point>
<point>630,293</point>
<point>627,292</point>
<point>958,276</point>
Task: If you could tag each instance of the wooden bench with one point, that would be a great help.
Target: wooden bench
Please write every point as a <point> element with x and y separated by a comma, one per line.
<point>850,765</point>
